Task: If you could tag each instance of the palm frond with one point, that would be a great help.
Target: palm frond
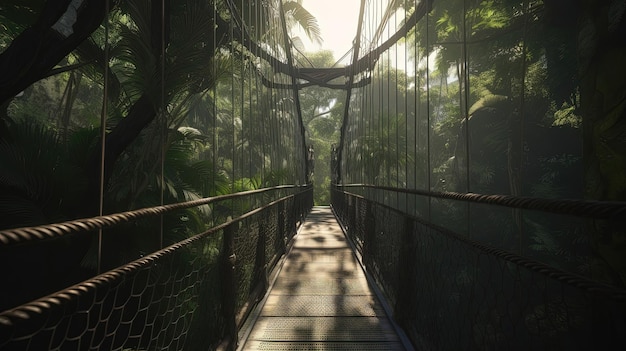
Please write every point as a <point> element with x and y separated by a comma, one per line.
<point>35,170</point>
<point>304,19</point>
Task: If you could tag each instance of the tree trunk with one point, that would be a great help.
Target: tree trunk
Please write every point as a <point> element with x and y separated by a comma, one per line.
<point>34,52</point>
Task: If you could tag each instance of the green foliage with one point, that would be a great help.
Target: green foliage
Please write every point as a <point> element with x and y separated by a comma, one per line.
<point>53,100</point>
<point>17,15</point>
<point>566,116</point>
<point>322,112</point>
<point>295,12</point>
<point>488,15</point>
<point>41,179</point>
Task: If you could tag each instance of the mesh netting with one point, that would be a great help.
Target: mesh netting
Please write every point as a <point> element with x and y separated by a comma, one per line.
<point>199,127</point>
<point>483,173</point>
<point>451,292</point>
<point>149,304</point>
<point>174,299</point>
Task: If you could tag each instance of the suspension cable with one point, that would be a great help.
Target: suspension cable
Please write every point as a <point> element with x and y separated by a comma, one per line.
<point>346,111</point>
<point>103,121</point>
<point>164,127</point>
<point>296,94</point>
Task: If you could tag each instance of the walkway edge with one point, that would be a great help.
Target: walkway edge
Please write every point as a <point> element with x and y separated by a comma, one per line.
<point>404,339</point>
<point>248,325</point>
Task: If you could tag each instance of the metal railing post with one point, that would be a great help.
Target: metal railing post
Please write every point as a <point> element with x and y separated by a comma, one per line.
<point>351,218</point>
<point>229,289</point>
<point>407,287</point>
<point>369,234</point>
<point>282,238</point>
<point>260,263</point>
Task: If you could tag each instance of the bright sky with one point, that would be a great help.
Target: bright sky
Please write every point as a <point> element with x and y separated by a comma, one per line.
<point>338,21</point>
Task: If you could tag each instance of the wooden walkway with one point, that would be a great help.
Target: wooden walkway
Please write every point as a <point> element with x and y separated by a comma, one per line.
<point>321,299</point>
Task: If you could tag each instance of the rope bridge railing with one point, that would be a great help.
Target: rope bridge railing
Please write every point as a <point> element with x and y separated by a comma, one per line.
<point>194,294</point>
<point>165,127</point>
<point>465,98</point>
<point>449,291</point>
<point>24,235</point>
<point>580,208</point>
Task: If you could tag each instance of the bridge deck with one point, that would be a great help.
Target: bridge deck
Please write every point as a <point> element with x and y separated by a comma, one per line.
<point>321,299</point>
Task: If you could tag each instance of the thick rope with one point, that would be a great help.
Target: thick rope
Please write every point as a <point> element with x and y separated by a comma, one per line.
<point>73,293</point>
<point>577,281</point>
<point>10,237</point>
<point>581,208</point>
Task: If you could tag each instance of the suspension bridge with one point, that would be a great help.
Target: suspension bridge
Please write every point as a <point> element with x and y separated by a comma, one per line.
<point>476,187</point>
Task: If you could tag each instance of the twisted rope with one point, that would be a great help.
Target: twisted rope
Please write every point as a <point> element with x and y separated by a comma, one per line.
<point>16,236</point>
<point>579,208</point>
<point>73,293</point>
<point>571,279</point>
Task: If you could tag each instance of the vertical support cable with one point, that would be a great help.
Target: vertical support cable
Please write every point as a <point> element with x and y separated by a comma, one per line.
<point>294,83</point>
<point>277,100</point>
<point>417,100</point>
<point>360,174</point>
<point>239,135</point>
<point>214,137</point>
<point>280,102</point>
<point>396,110</point>
<point>386,132</point>
<point>261,102</point>
<point>163,129</point>
<point>233,154</point>
<point>242,112</point>
<point>353,69</point>
<point>253,92</point>
<point>369,92</point>
<point>380,194</point>
<point>365,116</point>
<point>465,108</point>
<point>103,121</point>
<point>428,129</point>
<point>520,216</point>
<point>406,116</point>
<point>244,124</point>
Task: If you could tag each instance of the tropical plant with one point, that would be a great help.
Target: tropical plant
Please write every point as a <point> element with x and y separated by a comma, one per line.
<point>164,107</point>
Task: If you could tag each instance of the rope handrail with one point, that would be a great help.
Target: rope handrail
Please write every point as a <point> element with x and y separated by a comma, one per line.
<point>10,237</point>
<point>580,208</point>
<point>72,293</point>
<point>575,280</point>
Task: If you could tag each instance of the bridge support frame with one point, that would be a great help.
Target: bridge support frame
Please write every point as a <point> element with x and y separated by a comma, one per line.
<point>227,273</point>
